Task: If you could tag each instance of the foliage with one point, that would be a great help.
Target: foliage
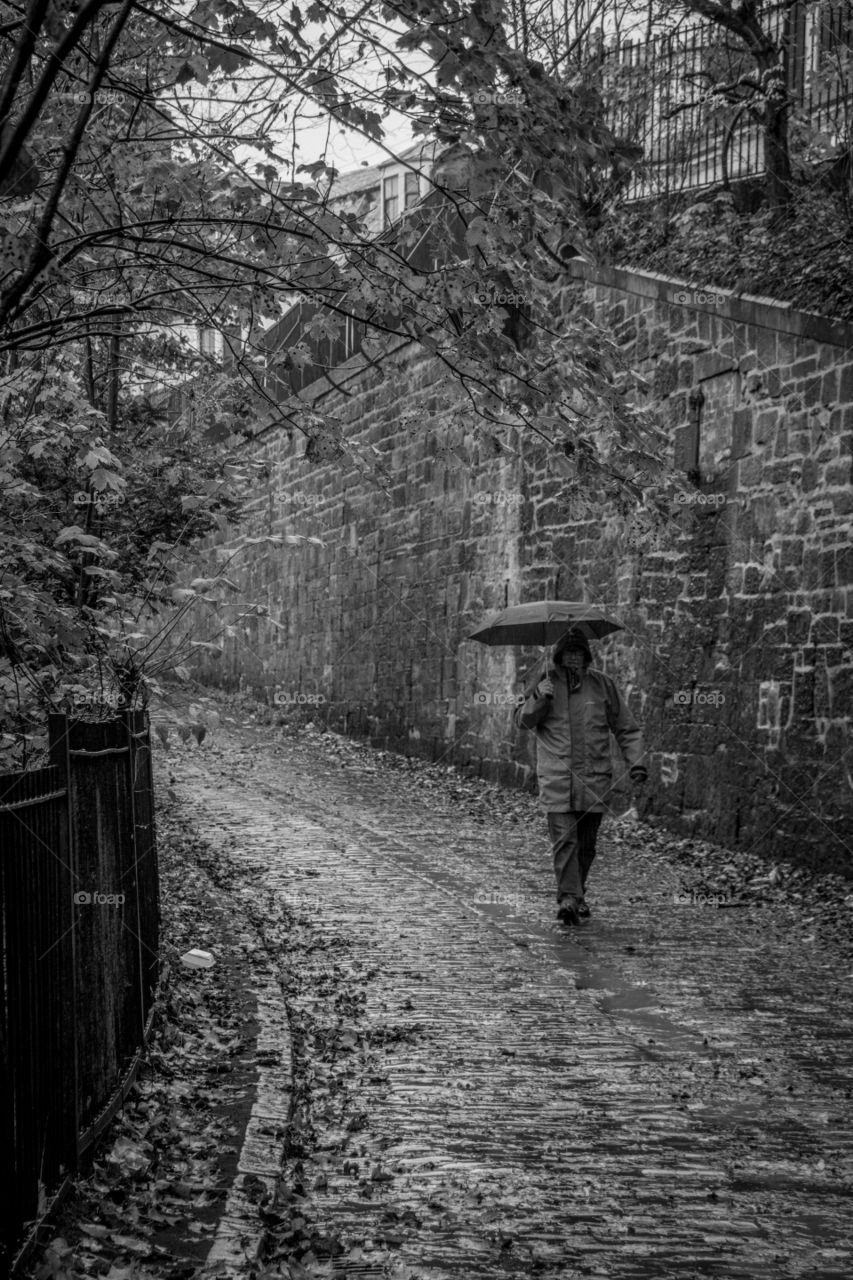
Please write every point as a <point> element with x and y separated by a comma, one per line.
<point>152,184</point>
<point>150,211</point>
<point>719,238</point>
<point>806,260</point>
<point>93,520</point>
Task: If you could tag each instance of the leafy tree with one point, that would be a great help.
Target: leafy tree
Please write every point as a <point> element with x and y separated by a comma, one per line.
<point>149,211</point>
<point>764,91</point>
<point>151,182</point>
<point>93,520</point>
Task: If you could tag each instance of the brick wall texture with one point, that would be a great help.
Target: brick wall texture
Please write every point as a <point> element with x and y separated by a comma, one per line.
<point>737,653</point>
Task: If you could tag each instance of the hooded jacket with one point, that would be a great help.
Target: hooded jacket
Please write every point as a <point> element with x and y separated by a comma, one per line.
<point>573,761</point>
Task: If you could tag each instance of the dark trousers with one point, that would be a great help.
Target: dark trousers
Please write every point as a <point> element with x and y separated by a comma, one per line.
<point>573,846</point>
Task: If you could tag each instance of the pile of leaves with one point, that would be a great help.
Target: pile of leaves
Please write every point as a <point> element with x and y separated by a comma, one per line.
<point>339,1070</point>
<point>805,258</point>
<point>148,1207</point>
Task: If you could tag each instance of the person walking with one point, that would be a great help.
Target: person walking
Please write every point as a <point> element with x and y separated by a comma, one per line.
<point>573,709</point>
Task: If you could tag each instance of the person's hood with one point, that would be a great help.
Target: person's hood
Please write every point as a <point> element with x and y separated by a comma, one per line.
<point>580,641</point>
<point>548,664</point>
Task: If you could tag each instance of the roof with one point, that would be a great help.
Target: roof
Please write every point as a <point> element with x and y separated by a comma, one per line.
<point>368,176</point>
<point>349,184</point>
<point>426,149</point>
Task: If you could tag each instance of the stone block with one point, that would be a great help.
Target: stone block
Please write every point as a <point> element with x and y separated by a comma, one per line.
<point>837,473</point>
<point>829,387</point>
<point>781,472</point>
<point>810,475</point>
<point>764,425</point>
<point>833,655</point>
<point>665,378</point>
<point>844,566</point>
<point>766,347</point>
<point>780,447</point>
<point>827,568</point>
<point>773,383</point>
<point>825,630</point>
<point>750,472</point>
<point>709,364</point>
<point>840,687</point>
<point>788,348</point>
<point>842,503</point>
<point>741,431</point>
<point>810,391</point>
<point>626,331</point>
<point>797,627</point>
<point>845,384</point>
<point>802,368</point>
<point>616,314</point>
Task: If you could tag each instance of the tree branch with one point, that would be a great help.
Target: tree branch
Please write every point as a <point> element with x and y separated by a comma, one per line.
<point>12,145</point>
<point>21,60</point>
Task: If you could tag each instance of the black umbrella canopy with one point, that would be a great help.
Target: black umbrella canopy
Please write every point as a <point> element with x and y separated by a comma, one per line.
<point>545,622</point>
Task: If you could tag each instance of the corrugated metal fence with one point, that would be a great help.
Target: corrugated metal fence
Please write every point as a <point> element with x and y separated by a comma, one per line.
<point>79,933</point>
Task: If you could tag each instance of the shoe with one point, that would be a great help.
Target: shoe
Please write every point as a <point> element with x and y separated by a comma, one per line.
<point>567,912</point>
<point>583,910</point>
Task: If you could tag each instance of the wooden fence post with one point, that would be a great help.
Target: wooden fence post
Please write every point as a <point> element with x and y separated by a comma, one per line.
<point>131,719</point>
<point>59,744</point>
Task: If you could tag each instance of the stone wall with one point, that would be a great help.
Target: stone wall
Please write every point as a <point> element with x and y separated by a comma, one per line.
<point>737,652</point>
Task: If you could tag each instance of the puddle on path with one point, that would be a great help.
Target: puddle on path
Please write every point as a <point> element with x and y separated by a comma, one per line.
<point>615,995</point>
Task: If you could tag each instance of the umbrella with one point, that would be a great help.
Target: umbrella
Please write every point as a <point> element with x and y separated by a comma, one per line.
<point>544,622</point>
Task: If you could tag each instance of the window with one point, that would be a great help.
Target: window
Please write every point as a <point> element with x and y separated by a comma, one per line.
<point>207,342</point>
<point>412,190</point>
<point>390,199</point>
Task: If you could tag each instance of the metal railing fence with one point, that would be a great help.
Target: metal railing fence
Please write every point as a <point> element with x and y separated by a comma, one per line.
<point>659,94</point>
<point>79,966</point>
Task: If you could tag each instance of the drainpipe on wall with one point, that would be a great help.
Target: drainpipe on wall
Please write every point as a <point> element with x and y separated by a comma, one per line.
<point>687,438</point>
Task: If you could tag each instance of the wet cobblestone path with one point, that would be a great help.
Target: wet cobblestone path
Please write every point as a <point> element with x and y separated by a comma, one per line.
<point>479,1091</point>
